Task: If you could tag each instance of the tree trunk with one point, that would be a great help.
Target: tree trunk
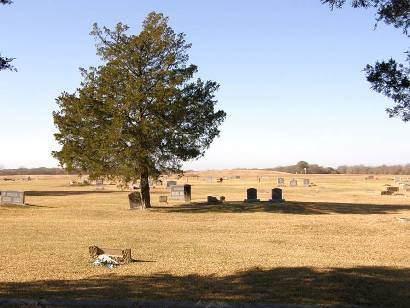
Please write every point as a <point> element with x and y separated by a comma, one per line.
<point>145,196</point>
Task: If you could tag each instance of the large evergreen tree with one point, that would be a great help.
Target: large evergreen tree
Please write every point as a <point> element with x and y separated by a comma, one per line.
<point>388,77</point>
<point>140,114</point>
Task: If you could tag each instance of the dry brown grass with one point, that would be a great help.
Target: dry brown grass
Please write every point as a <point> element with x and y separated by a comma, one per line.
<point>337,242</point>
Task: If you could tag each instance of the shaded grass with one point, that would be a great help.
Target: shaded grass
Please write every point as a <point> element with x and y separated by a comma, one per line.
<point>289,207</point>
<point>370,286</point>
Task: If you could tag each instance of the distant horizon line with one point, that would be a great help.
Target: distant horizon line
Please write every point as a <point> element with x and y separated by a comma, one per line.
<point>239,168</point>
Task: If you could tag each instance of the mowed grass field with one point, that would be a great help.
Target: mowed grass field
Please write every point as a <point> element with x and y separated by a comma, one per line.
<point>337,242</point>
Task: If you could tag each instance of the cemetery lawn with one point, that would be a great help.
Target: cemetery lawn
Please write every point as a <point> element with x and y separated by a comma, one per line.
<point>338,242</point>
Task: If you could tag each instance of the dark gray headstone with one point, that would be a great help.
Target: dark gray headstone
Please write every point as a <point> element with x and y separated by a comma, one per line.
<point>276,195</point>
<point>135,200</point>
<point>251,195</point>
<point>12,197</point>
<point>212,200</point>
<point>187,193</point>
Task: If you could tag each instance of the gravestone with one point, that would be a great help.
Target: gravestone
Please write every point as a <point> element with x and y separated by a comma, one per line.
<point>306,182</point>
<point>405,187</point>
<point>281,182</point>
<point>276,195</point>
<point>393,189</point>
<point>187,193</point>
<point>251,195</point>
<point>181,192</point>
<point>171,183</point>
<point>122,256</point>
<point>293,183</point>
<point>12,197</point>
<point>209,179</point>
<point>135,200</point>
<point>212,200</point>
<point>99,184</point>
<point>163,199</point>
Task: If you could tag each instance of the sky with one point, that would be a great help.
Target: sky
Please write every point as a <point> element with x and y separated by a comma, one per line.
<point>291,76</point>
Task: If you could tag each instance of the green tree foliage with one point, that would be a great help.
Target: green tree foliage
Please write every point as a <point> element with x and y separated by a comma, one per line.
<point>388,77</point>
<point>5,63</point>
<point>140,114</point>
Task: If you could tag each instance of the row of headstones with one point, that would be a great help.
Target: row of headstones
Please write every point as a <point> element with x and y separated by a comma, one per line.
<point>178,192</point>
<point>252,195</point>
<point>293,182</point>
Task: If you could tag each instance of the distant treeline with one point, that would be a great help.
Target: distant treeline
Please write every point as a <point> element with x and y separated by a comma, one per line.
<point>33,171</point>
<point>383,169</point>
<point>301,166</point>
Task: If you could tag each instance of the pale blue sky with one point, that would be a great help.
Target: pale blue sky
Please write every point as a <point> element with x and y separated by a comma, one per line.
<point>290,73</point>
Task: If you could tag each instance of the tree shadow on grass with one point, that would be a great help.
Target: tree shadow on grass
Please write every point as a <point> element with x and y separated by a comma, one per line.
<point>370,286</point>
<point>26,206</point>
<point>62,193</point>
<point>291,207</point>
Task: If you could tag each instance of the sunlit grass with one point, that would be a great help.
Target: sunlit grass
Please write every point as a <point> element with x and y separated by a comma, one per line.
<point>341,224</point>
